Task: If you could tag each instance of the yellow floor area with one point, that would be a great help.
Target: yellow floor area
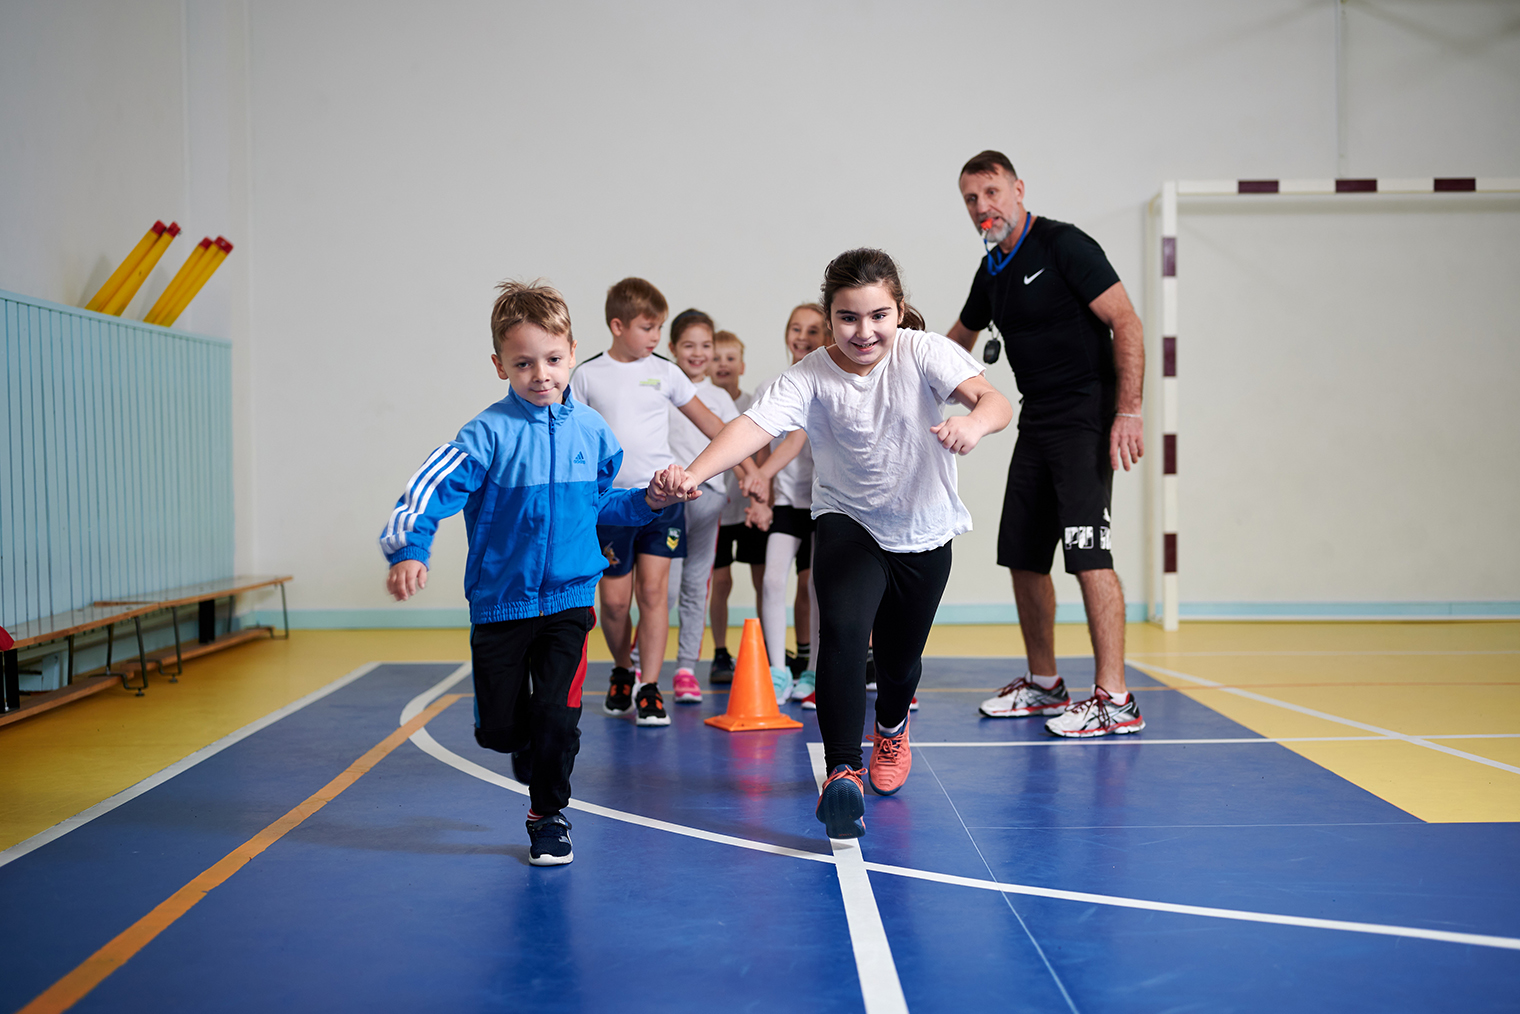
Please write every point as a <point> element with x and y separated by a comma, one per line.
<point>1414,679</point>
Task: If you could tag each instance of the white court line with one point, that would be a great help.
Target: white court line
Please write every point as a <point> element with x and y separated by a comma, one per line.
<point>158,778</point>
<point>1326,716</point>
<point>442,753</point>
<point>868,937</point>
<point>1379,929</point>
<point>1141,741</point>
<point>1312,654</point>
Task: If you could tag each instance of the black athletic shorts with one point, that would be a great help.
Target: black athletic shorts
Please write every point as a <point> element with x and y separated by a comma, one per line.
<point>1059,486</point>
<point>739,542</point>
<point>798,523</point>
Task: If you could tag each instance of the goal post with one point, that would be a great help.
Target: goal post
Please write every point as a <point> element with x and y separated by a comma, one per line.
<point>1172,201</point>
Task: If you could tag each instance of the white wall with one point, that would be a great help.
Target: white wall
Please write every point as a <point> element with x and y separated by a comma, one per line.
<point>393,162</point>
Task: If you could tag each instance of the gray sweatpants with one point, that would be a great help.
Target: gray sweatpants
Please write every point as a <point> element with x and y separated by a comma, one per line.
<point>691,578</point>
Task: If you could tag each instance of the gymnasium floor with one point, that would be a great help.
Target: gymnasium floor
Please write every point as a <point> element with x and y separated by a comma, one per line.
<point>1317,817</point>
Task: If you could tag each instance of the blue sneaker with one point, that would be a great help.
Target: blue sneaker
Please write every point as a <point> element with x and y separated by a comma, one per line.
<point>842,803</point>
<point>551,841</point>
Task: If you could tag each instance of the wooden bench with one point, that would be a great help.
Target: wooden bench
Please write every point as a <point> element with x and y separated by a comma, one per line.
<point>107,614</point>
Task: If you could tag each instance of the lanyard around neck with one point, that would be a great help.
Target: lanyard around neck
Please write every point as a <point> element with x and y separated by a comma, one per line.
<point>996,263</point>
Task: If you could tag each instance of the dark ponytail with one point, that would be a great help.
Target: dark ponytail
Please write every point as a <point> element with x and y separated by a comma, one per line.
<point>864,266</point>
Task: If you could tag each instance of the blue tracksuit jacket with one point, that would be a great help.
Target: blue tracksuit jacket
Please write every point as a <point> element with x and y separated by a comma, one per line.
<point>533,481</point>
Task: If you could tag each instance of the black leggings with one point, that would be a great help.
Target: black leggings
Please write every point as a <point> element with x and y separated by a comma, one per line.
<point>863,590</point>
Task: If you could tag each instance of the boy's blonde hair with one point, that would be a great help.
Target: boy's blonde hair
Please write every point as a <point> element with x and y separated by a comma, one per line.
<point>633,298</point>
<point>533,302</point>
<point>727,338</point>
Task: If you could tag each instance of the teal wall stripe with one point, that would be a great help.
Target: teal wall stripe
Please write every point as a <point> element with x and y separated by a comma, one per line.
<point>116,459</point>
<point>949,614</point>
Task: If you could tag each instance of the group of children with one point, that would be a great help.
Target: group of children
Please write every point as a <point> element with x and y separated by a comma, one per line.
<point>576,478</point>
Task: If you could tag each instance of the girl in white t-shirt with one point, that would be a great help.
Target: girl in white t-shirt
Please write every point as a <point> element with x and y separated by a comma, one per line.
<point>691,345</point>
<point>785,481</point>
<point>885,503</point>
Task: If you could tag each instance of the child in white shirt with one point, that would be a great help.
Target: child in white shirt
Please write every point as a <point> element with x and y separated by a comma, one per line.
<point>885,503</point>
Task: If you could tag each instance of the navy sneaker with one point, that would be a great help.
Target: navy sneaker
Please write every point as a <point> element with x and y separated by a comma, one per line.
<point>551,841</point>
<point>842,803</point>
<point>619,692</point>
<point>722,670</point>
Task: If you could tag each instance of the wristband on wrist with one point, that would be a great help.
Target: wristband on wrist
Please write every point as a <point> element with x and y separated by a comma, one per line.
<point>1128,415</point>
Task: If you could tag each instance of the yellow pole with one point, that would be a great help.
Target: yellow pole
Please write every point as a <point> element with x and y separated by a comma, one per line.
<point>176,285</point>
<point>123,296</point>
<point>133,259</point>
<point>208,267</point>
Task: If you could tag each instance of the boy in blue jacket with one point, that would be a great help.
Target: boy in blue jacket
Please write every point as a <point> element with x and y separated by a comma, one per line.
<point>533,474</point>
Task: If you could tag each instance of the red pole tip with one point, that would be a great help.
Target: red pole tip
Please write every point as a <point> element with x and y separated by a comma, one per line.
<point>158,228</point>
<point>224,244</point>
<point>173,229</point>
<point>204,243</point>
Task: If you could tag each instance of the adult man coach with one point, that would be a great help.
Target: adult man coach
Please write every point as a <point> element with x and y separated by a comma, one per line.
<point>1078,356</point>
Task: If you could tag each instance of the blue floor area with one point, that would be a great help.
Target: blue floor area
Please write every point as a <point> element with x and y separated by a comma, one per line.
<point>412,891</point>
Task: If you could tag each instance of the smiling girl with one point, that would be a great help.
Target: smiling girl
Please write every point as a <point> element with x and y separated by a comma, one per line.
<point>884,501</point>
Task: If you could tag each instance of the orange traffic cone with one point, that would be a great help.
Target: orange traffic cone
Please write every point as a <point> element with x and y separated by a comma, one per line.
<point>752,697</point>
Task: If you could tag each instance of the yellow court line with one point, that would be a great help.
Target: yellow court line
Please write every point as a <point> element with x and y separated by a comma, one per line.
<point>72,988</point>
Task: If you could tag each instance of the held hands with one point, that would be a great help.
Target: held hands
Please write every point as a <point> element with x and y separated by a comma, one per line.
<point>758,515</point>
<point>959,433</point>
<point>670,486</point>
<point>756,486</point>
<point>406,579</point>
<point>1126,442</point>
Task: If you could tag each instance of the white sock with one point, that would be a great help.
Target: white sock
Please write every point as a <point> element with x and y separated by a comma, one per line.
<point>882,730</point>
<point>1120,698</point>
<point>1044,682</point>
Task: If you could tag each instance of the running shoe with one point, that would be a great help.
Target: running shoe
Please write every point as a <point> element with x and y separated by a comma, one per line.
<point>810,702</point>
<point>651,706</point>
<point>805,685</point>
<point>1026,697</point>
<point>781,682</point>
<point>1097,716</point>
<point>842,803</point>
<point>913,704</point>
<point>722,670</point>
<point>620,692</point>
<point>687,691</point>
<point>551,841</point>
<point>891,760</point>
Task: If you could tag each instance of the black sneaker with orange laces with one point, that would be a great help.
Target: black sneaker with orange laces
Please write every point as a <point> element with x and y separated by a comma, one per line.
<point>619,692</point>
<point>842,803</point>
<point>651,706</point>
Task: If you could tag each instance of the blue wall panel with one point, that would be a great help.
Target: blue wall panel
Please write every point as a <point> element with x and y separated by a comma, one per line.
<point>116,459</point>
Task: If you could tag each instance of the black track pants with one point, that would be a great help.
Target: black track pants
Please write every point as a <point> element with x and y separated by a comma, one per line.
<point>865,590</point>
<point>528,676</point>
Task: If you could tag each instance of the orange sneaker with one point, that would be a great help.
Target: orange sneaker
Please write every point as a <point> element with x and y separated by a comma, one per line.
<point>891,760</point>
<point>842,803</point>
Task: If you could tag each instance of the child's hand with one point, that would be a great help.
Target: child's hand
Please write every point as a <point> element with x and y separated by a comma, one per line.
<point>756,486</point>
<point>959,433</point>
<point>406,579</point>
<point>758,515</point>
<point>670,486</point>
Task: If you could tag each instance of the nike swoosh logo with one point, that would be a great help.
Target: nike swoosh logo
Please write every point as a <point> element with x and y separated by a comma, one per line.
<point>1030,278</point>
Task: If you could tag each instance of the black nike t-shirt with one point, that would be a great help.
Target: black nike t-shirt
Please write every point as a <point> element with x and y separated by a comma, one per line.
<point>1061,352</point>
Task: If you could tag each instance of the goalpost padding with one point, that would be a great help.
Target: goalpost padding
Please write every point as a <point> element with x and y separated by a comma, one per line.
<point>1171,192</point>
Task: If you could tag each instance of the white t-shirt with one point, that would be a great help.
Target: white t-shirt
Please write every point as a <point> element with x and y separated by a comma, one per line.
<point>875,460</point>
<point>635,398</point>
<point>686,441</point>
<point>793,485</point>
<point>733,514</point>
